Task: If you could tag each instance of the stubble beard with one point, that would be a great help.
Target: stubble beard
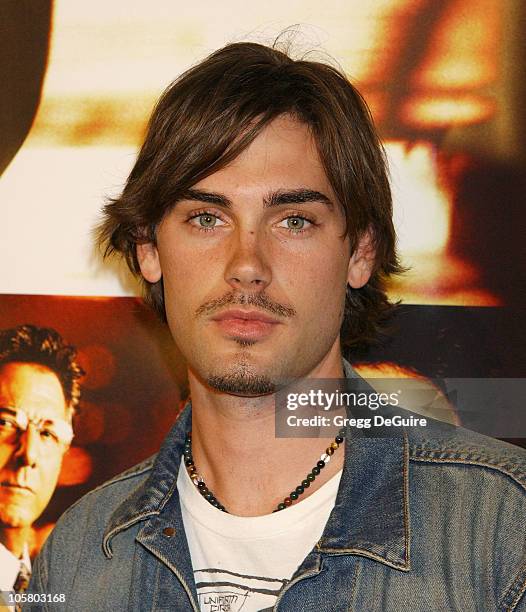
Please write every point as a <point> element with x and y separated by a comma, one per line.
<point>241,378</point>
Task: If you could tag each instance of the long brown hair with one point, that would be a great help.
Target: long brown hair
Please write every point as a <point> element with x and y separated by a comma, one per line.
<point>213,111</point>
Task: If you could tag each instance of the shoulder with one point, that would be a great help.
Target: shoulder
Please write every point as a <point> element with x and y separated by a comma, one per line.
<point>449,445</point>
<point>122,481</point>
<point>112,493</point>
<point>86,520</point>
<point>79,533</point>
<point>471,489</point>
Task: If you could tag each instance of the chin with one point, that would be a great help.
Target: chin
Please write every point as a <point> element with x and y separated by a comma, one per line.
<point>241,376</point>
<point>15,518</point>
<point>241,380</point>
<point>246,386</point>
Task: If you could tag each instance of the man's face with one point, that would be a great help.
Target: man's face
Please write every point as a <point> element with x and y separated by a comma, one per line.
<point>255,265</point>
<point>30,463</point>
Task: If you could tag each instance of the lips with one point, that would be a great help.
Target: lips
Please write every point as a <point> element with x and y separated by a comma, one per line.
<point>247,325</point>
<point>245,315</point>
<point>16,488</point>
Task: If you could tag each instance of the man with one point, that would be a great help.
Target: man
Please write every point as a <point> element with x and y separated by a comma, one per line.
<point>259,215</point>
<point>39,390</point>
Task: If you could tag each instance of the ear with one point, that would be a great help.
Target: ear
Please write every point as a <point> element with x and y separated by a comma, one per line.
<point>148,258</point>
<point>361,263</point>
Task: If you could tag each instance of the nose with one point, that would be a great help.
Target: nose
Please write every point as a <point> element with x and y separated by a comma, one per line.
<point>27,452</point>
<point>247,268</point>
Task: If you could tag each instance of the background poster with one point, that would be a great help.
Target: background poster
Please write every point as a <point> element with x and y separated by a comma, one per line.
<point>444,82</point>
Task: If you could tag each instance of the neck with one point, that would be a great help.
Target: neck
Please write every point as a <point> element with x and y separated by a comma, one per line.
<point>236,451</point>
<point>14,538</point>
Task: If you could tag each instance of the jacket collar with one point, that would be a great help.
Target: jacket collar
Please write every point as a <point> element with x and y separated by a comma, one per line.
<point>152,495</point>
<point>371,513</point>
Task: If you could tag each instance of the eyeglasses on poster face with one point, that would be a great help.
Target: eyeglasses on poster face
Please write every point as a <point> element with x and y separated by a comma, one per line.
<point>52,432</point>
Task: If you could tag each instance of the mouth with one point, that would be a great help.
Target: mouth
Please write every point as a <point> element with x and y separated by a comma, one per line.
<point>246,324</point>
<point>14,487</point>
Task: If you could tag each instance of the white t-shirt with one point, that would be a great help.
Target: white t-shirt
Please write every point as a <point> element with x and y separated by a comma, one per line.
<point>241,563</point>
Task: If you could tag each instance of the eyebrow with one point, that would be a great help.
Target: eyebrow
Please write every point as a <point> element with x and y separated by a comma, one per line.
<point>14,412</point>
<point>275,198</point>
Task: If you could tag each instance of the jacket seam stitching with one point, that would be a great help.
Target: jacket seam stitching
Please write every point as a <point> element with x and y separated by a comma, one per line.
<point>519,596</point>
<point>478,463</point>
<point>106,540</point>
<point>363,552</point>
<point>353,583</point>
<point>407,526</point>
<point>520,577</point>
<point>136,519</point>
<point>457,453</point>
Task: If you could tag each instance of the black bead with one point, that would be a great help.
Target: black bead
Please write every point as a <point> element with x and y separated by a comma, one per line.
<point>342,431</point>
<point>316,470</point>
<point>293,495</point>
<point>311,477</point>
<point>281,506</point>
<point>208,496</point>
<point>306,483</point>
<point>338,439</point>
<point>189,463</point>
<point>321,464</point>
<point>201,486</point>
<point>300,489</point>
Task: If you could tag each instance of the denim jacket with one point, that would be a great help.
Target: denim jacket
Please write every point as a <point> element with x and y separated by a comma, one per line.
<point>429,520</point>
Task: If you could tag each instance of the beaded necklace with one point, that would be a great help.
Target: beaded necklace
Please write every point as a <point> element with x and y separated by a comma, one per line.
<point>293,496</point>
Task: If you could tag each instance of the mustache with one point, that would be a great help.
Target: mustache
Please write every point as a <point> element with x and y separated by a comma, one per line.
<point>259,300</point>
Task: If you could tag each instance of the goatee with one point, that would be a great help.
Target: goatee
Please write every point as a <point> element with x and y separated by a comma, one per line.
<point>242,382</point>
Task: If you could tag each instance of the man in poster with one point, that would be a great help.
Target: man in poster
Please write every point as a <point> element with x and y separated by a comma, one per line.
<point>259,215</point>
<point>39,391</point>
